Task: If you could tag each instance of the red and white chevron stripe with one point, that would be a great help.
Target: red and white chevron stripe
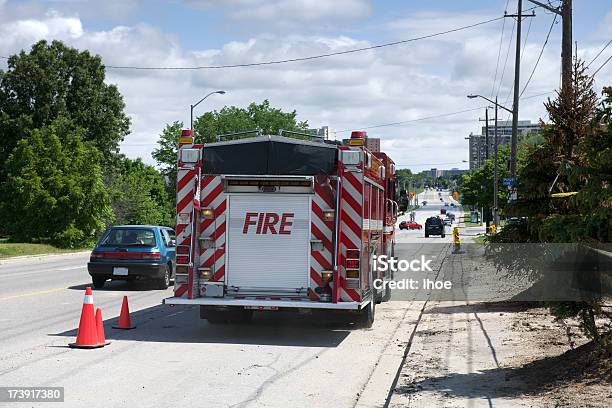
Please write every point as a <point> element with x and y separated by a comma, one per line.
<point>350,226</point>
<point>323,199</point>
<point>185,190</point>
<point>212,196</point>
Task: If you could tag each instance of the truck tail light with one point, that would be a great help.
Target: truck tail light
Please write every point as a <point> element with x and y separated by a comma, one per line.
<point>182,260</point>
<point>205,273</point>
<point>182,250</point>
<point>352,254</point>
<point>207,213</point>
<point>352,263</point>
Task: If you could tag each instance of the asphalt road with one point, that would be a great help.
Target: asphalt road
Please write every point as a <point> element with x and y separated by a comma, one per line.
<point>173,357</point>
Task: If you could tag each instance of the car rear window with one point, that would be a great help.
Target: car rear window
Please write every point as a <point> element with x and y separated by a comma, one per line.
<point>124,237</point>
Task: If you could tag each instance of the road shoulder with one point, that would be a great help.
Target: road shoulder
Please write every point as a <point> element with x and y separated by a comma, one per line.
<point>499,354</point>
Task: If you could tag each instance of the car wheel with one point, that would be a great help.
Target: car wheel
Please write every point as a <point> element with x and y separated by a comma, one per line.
<point>164,282</point>
<point>443,235</point>
<point>98,282</point>
<point>426,235</point>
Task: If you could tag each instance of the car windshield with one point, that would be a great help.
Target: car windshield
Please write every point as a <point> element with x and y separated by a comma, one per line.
<point>130,237</point>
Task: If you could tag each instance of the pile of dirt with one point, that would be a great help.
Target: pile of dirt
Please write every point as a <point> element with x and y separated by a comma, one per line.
<point>583,374</point>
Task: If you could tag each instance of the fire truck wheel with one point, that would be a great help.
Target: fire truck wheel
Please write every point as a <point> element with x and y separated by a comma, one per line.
<point>387,296</point>
<point>98,282</point>
<point>164,282</point>
<point>366,317</point>
<point>213,316</point>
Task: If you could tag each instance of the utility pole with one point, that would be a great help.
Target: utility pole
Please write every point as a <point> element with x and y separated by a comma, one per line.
<point>495,216</point>
<point>565,11</point>
<point>515,103</point>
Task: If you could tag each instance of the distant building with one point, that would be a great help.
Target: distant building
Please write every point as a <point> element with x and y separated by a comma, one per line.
<point>444,173</point>
<point>478,145</point>
<point>373,144</point>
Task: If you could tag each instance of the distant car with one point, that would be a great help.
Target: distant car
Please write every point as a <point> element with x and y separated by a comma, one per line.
<point>409,225</point>
<point>517,221</point>
<point>451,216</point>
<point>434,226</point>
<point>448,220</point>
<point>452,204</point>
<point>446,204</point>
<point>130,252</point>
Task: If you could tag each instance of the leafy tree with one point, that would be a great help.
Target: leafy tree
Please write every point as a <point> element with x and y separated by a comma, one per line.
<point>229,119</point>
<point>54,187</point>
<point>165,156</point>
<point>477,187</point>
<point>232,119</point>
<point>138,194</point>
<point>55,80</point>
<point>576,157</point>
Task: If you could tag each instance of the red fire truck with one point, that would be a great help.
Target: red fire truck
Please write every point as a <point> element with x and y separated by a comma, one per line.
<point>278,223</point>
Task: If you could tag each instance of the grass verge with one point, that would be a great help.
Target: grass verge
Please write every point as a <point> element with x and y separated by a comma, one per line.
<point>8,250</point>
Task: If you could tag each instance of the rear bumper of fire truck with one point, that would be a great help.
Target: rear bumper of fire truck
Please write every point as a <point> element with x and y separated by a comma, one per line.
<point>265,303</point>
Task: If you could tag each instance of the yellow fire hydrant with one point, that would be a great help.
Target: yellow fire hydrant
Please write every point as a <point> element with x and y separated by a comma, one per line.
<point>456,240</point>
<point>492,229</point>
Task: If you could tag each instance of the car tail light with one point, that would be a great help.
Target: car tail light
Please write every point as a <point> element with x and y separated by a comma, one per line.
<point>182,260</point>
<point>155,256</point>
<point>96,255</point>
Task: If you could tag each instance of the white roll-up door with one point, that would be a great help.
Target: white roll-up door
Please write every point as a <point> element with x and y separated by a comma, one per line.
<point>268,242</point>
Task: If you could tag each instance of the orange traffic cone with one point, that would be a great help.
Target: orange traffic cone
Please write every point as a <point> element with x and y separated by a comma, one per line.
<point>100,328</point>
<point>124,318</point>
<point>87,335</point>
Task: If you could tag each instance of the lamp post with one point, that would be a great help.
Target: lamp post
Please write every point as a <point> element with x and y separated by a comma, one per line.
<point>198,102</point>
<point>495,182</point>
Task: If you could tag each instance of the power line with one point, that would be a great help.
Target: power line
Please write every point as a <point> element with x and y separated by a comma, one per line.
<point>413,120</point>
<point>506,61</point>
<point>601,66</point>
<point>312,57</point>
<point>599,53</point>
<point>501,40</point>
<point>539,56</point>
<point>398,123</point>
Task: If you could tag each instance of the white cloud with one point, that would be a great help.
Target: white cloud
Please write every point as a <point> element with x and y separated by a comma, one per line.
<point>393,84</point>
<point>288,12</point>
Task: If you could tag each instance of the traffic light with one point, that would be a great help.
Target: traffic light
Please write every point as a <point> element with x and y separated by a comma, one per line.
<point>456,196</point>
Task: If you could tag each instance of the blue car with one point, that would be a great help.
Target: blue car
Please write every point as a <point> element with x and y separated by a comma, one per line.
<point>130,252</point>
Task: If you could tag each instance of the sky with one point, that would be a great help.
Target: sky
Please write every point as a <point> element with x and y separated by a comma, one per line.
<point>413,82</point>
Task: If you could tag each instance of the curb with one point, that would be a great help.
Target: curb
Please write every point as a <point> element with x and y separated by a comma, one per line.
<point>41,256</point>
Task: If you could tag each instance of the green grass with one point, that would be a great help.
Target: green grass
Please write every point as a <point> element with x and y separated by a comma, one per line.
<point>467,223</point>
<point>8,250</point>
<point>480,239</point>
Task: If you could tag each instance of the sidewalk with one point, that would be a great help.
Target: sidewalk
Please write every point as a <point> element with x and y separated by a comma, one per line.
<point>498,354</point>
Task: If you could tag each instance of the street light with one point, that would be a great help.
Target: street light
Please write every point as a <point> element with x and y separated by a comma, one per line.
<point>495,182</point>
<point>200,101</point>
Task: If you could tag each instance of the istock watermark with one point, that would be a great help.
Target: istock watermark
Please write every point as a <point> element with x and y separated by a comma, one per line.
<point>383,263</point>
